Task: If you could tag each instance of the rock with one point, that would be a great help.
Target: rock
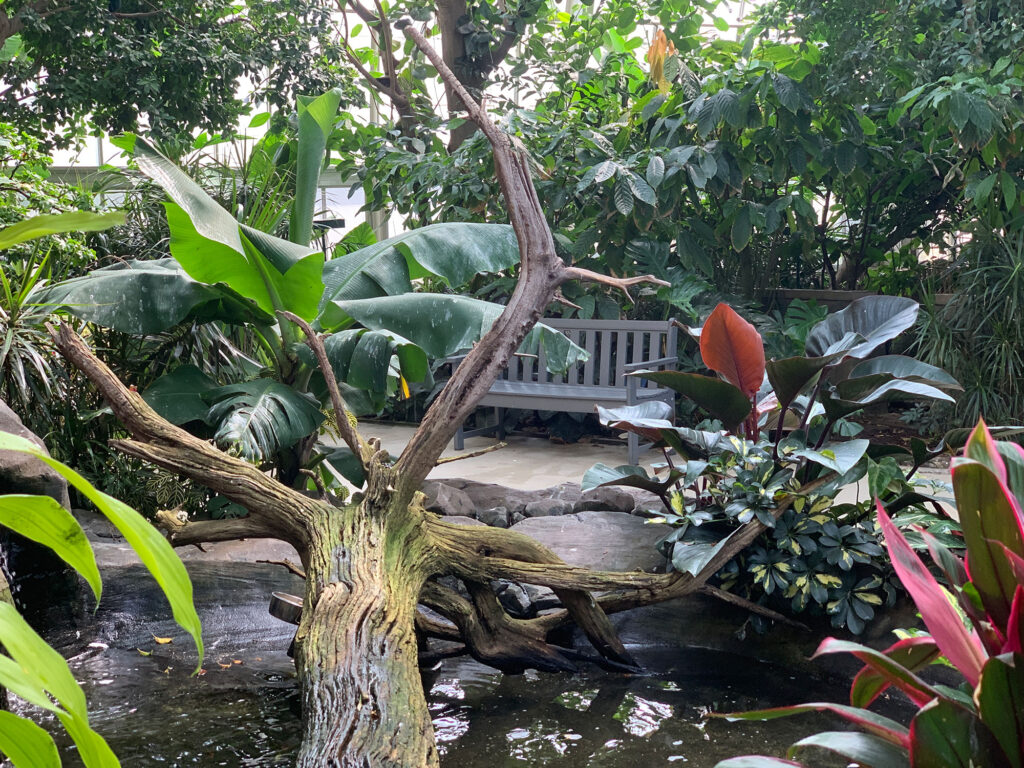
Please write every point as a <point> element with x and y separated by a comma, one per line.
<point>496,517</point>
<point>607,541</point>
<point>548,508</point>
<point>566,492</point>
<point>450,501</point>
<point>485,495</point>
<point>515,599</point>
<point>462,520</point>
<point>36,576</point>
<point>609,498</point>
<point>21,473</point>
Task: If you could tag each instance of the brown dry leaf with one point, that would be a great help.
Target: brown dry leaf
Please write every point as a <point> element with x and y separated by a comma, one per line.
<point>224,666</point>
<point>237,661</point>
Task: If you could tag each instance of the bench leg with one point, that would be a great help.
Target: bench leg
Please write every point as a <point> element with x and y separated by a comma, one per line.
<point>633,441</point>
<point>499,414</point>
<point>460,441</point>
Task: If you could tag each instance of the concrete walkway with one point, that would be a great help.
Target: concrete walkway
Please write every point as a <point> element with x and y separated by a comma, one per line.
<point>532,463</point>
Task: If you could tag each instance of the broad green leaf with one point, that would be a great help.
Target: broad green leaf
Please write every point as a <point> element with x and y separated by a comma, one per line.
<point>839,457</point>
<point>147,297</point>
<point>262,416</point>
<point>853,394</point>
<point>45,521</point>
<point>788,92</point>
<point>903,367</point>
<point>41,668</point>
<point>655,171</point>
<point>149,544</point>
<point>1000,698</point>
<point>623,197</point>
<point>719,398</point>
<point>178,395</point>
<point>742,228</point>
<point>790,375</point>
<point>345,463</point>
<point>12,45</point>
<point>877,319</point>
<point>316,121</point>
<point>443,324</point>
<point>694,558</point>
<point>362,358</point>
<point>455,252</point>
<point>56,223</point>
<point>213,247</point>
<point>25,744</point>
<point>863,749</point>
<point>601,475</point>
<point>989,518</point>
<point>945,734</point>
<point>645,419</point>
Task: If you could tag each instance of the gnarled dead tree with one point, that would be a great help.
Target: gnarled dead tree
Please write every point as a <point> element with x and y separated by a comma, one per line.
<point>370,565</point>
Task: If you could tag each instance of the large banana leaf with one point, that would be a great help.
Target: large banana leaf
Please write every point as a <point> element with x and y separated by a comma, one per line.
<point>362,358</point>
<point>452,251</point>
<point>54,223</point>
<point>214,248</point>
<point>862,327</point>
<point>178,395</point>
<point>316,121</point>
<point>443,324</point>
<point>146,297</point>
<point>262,416</point>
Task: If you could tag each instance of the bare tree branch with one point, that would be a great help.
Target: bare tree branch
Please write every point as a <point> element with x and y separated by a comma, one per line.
<point>182,532</point>
<point>341,414</point>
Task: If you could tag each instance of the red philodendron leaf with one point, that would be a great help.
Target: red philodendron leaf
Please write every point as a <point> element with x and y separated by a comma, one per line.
<point>732,347</point>
<point>958,645</point>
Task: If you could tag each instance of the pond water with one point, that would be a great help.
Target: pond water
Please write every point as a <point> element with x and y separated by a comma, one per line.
<point>244,709</point>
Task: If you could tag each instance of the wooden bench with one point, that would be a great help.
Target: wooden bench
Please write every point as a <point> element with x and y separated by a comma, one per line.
<point>616,347</point>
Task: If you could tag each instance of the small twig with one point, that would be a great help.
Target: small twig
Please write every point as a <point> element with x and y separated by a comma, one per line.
<point>471,454</point>
<point>288,565</point>
<point>345,429</point>
<point>560,298</point>
<point>753,607</point>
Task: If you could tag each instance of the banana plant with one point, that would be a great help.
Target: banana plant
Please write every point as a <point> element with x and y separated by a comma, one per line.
<point>382,332</point>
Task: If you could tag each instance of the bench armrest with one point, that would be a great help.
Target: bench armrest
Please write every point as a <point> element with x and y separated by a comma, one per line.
<point>646,364</point>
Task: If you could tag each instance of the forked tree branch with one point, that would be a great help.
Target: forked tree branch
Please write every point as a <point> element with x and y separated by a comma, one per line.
<point>541,272</point>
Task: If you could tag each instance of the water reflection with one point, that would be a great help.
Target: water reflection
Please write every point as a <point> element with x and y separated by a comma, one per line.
<point>244,711</point>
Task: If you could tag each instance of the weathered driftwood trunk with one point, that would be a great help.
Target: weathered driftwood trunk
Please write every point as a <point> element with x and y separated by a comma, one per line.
<point>356,648</point>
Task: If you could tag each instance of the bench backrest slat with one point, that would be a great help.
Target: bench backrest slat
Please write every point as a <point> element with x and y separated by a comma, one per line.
<point>611,344</point>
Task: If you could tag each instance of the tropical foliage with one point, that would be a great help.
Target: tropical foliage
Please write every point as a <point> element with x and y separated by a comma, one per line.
<point>975,623</point>
<point>784,426</point>
<point>34,671</point>
<point>382,334</point>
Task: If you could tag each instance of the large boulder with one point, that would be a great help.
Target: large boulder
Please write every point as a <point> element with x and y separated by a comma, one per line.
<point>38,578</point>
<point>21,473</point>
<point>606,541</point>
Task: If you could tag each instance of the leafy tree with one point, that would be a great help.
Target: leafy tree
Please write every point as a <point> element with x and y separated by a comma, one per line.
<point>175,66</point>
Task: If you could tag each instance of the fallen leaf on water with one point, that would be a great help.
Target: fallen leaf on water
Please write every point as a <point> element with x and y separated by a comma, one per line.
<point>201,672</point>
<point>224,666</point>
<point>167,671</point>
<point>163,640</point>
<point>144,653</point>
<point>237,661</point>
